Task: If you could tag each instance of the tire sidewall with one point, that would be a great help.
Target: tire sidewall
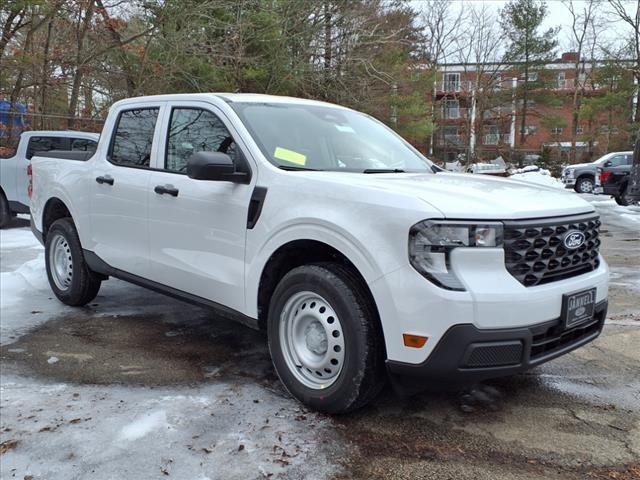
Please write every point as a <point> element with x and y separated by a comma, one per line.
<point>579,185</point>
<point>340,394</point>
<point>5,212</point>
<point>65,228</point>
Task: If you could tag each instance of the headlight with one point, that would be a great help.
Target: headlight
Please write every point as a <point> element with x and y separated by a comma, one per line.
<point>431,243</point>
<point>570,172</point>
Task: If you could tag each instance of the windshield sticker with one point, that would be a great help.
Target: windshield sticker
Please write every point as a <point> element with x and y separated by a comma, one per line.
<point>290,156</point>
<point>345,129</point>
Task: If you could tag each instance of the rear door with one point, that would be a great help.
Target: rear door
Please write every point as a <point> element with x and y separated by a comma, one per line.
<point>197,232</point>
<point>120,183</point>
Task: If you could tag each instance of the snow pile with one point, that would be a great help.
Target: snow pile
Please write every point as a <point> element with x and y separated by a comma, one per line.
<point>536,175</point>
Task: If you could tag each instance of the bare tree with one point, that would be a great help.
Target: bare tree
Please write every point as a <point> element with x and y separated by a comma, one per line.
<point>584,32</point>
<point>442,31</point>
<point>632,19</point>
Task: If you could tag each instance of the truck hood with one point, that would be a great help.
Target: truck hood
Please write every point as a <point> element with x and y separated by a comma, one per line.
<point>469,196</point>
<point>582,165</point>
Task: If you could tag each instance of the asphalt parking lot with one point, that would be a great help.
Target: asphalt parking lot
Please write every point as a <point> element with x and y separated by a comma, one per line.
<point>137,385</point>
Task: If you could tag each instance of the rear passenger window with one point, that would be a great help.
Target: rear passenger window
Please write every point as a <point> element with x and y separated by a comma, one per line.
<point>194,130</point>
<point>44,144</point>
<point>133,137</point>
<point>83,145</point>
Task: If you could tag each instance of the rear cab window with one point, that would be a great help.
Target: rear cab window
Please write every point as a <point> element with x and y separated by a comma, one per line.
<point>45,144</point>
<point>83,145</point>
<point>132,138</point>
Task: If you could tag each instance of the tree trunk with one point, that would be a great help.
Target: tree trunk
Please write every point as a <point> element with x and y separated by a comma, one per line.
<point>80,67</point>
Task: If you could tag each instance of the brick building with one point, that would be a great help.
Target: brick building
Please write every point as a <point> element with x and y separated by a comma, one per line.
<point>478,110</point>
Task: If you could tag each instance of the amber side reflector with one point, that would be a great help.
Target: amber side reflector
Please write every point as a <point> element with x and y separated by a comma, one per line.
<point>414,341</point>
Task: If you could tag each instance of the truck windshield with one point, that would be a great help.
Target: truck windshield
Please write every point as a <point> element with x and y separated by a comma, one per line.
<point>311,137</point>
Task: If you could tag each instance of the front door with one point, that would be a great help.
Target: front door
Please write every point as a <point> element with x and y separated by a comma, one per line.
<point>119,204</point>
<point>197,228</point>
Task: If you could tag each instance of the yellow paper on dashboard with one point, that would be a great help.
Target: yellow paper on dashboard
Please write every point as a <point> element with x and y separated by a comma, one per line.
<point>290,156</point>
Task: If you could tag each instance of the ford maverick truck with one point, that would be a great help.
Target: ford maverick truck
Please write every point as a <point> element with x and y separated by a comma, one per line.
<point>360,259</point>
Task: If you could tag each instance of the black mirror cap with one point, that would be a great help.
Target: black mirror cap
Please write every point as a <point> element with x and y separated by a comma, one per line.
<point>214,166</point>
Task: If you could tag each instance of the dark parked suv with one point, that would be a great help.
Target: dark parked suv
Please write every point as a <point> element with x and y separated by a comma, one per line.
<point>581,177</point>
<point>613,178</point>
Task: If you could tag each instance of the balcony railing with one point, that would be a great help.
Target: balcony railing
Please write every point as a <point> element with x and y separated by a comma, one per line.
<point>453,113</point>
<point>452,138</point>
<point>495,138</point>
<point>455,86</point>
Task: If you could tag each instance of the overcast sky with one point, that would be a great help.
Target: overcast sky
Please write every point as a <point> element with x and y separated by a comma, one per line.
<point>558,16</point>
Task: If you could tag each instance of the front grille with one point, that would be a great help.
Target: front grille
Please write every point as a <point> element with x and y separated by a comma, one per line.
<point>535,252</point>
<point>554,338</point>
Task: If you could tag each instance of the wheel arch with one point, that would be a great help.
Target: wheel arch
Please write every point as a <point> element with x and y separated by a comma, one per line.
<point>53,210</point>
<point>295,253</point>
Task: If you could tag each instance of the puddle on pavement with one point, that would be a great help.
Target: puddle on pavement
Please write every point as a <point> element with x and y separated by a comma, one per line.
<point>142,349</point>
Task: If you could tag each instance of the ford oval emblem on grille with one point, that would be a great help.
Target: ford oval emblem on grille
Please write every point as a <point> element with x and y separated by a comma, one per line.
<point>574,239</point>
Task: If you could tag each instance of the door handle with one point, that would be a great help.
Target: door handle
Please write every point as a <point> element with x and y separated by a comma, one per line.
<point>168,189</point>
<point>105,179</point>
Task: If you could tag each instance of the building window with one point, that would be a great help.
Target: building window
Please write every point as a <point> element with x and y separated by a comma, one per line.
<point>561,80</point>
<point>491,135</point>
<point>530,129</point>
<point>556,130</point>
<point>451,108</point>
<point>451,82</point>
<point>498,83</point>
<point>531,76</point>
<point>451,134</point>
<point>579,130</point>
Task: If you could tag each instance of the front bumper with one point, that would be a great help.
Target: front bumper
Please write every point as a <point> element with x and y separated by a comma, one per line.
<point>466,354</point>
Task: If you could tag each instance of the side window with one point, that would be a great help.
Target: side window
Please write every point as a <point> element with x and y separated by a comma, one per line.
<point>133,137</point>
<point>194,130</point>
<point>44,144</point>
<point>628,159</point>
<point>617,161</point>
<point>83,145</point>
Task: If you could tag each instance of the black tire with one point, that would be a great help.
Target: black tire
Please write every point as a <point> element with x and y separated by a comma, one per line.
<point>5,211</point>
<point>84,284</point>
<point>623,199</point>
<point>362,373</point>
<point>585,185</point>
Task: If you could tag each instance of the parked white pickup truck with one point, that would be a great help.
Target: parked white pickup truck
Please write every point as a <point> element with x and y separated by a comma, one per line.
<point>14,182</point>
<point>323,227</point>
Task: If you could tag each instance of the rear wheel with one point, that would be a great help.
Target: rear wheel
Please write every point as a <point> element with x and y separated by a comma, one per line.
<point>624,198</point>
<point>585,185</point>
<point>5,211</point>
<point>324,338</point>
<point>69,276</point>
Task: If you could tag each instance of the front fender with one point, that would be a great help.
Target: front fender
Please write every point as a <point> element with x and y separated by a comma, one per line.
<point>309,229</point>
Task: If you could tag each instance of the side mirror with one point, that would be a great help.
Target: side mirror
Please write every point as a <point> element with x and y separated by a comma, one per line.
<point>607,163</point>
<point>214,166</point>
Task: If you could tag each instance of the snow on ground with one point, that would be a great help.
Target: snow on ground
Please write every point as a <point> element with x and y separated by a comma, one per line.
<point>537,176</point>
<point>220,428</point>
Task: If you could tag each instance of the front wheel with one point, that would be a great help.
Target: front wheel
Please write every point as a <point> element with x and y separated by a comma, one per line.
<point>585,185</point>
<point>324,338</point>
<point>69,276</point>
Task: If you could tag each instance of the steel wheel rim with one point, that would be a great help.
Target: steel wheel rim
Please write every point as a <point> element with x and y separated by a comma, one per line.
<point>311,340</point>
<point>60,262</point>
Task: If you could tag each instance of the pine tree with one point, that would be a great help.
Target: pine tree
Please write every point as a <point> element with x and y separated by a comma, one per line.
<point>529,49</point>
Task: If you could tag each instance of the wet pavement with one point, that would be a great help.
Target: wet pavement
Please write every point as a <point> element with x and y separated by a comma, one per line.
<point>138,385</point>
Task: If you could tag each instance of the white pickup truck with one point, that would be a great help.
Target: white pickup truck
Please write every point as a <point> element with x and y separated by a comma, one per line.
<point>14,181</point>
<point>321,226</point>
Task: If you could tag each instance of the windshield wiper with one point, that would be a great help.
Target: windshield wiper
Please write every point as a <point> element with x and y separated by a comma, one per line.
<point>383,170</point>
<point>295,169</point>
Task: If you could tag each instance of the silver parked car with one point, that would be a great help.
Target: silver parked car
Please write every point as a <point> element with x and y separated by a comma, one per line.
<point>582,176</point>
